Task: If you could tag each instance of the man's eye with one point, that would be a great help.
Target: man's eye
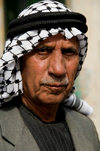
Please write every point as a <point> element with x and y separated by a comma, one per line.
<point>43,50</point>
<point>69,52</point>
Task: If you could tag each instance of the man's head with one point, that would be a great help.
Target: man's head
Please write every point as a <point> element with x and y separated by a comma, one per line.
<point>48,72</point>
<point>44,23</point>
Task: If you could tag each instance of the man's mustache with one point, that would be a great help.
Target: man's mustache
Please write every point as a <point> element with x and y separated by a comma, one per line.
<point>55,81</point>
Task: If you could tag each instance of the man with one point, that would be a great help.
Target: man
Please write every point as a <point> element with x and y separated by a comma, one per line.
<point>43,55</point>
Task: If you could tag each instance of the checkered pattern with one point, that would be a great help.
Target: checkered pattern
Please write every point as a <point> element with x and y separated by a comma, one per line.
<point>44,6</point>
<point>10,75</point>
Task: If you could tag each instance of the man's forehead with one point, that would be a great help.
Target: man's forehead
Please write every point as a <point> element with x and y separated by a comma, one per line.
<point>50,41</point>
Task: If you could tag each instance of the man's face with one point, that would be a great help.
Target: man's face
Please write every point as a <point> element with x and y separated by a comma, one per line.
<point>48,72</point>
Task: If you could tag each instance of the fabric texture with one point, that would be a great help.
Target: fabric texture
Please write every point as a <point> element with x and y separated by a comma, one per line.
<point>48,134</point>
<point>47,20</point>
<point>80,105</point>
<point>16,47</point>
<point>17,137</point>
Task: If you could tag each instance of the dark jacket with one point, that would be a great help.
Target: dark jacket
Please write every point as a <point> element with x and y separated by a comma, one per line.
<point>15,136</point>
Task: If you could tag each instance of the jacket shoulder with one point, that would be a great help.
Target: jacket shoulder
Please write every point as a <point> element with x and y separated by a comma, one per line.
<point>82,127</point>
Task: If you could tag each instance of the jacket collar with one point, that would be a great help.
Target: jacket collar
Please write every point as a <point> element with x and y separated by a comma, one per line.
<point>15,132</point>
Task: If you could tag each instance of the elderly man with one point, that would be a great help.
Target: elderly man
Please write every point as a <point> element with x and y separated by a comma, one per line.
<point>43,55</point>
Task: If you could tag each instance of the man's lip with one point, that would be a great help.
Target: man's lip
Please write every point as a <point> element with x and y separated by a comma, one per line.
<point>55,86</point>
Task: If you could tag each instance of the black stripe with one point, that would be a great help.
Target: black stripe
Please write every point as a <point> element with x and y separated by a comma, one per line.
<point>48,24</point>
<point>47,16</point>
<point>47,21</point>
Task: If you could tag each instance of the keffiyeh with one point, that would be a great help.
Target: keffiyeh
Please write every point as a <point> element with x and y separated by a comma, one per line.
<point>22,40</point>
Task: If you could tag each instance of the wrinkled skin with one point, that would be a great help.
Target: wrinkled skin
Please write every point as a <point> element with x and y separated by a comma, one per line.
<point>48,73</point>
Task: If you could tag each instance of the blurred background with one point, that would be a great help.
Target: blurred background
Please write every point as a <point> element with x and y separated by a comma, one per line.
<point>88,83</point>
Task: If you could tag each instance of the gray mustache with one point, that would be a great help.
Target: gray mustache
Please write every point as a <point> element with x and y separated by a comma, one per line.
<point>53,81</point>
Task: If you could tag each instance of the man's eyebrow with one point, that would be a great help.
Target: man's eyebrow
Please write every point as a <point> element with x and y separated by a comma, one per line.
<point>52,47</point>
<point>70,48</point>
<point>45,46</point>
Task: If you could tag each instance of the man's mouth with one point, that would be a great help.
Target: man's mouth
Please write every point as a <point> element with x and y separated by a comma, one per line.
<point>55,87</point>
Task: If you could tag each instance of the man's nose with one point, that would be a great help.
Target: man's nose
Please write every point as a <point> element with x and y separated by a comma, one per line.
<point>57,66</point>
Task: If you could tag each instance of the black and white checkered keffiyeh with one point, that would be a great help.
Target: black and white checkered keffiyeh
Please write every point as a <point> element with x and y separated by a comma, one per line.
<point>17,46</point>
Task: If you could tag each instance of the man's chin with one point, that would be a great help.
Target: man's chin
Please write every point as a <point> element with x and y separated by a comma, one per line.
<point>51,99</point>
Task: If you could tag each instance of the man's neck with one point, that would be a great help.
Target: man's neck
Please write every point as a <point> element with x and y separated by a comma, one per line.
<point>46,112</point>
